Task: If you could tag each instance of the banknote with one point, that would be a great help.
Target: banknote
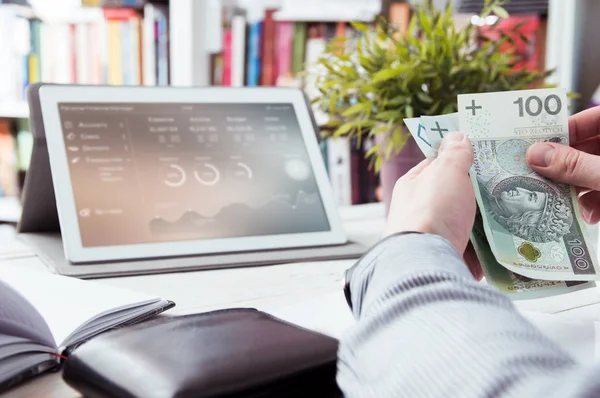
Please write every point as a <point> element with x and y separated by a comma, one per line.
<point>516,286</point>
<point>419,133</point>
<point>436,128</point>
<point>533,225</point>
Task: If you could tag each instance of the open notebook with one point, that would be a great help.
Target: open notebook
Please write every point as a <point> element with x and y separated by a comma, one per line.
<point>43,316</point>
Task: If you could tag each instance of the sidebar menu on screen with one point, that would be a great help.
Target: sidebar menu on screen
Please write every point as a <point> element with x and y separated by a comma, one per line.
<point>103,175</point>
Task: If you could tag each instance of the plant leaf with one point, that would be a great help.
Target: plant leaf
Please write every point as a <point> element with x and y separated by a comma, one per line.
<point>372,151</point>
<point>524,38</point>
<point>400,99</point>
<point>385,74</point>
<point>356,108</point>
<point>387,115</point>
<point>344,129</point>
<point>500,12</point>
<point>424,97</point>
<point>412,26</point>
<point>425,21</point>
<point>361,27</point>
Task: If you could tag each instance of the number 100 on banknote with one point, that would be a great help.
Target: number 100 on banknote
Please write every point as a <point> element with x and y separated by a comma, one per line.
<point>533,224</point>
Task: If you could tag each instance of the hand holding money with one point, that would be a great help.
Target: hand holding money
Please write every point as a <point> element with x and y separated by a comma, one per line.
<point>577,164</point>
<point>529,234</point>
<point>441,195</point>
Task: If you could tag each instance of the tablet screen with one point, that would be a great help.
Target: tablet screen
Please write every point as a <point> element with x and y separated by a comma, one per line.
<point>159,172</point>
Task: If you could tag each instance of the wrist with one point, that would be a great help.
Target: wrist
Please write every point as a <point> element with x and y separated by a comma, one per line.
<point>398,257</point>
<point>429,228</point>
<point>421,227</point>
<point>350,271</point>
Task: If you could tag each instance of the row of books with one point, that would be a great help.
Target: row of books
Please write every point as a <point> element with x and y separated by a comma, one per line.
<point>16,143</point>
<point>118,46</point>
<point>266,52</point>
<point>352,179</point>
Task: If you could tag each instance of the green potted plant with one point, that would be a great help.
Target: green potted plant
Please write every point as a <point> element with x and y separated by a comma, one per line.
<point>370,84</point>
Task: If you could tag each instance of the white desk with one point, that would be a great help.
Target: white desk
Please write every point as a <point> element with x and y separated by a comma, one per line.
<point>10,209</point>
<point>306,293</point>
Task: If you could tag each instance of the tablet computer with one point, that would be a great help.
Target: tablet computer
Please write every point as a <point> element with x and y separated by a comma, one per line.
<point>149,172</point>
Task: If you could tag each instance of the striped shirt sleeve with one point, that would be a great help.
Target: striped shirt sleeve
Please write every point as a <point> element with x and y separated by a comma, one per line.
<point>426,328</point>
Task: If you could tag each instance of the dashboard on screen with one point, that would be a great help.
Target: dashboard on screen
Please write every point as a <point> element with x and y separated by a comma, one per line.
<point>163,172</point>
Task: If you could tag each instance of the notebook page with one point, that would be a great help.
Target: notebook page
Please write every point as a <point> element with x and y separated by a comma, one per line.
<point>19,318</point>
<point>67,303</point>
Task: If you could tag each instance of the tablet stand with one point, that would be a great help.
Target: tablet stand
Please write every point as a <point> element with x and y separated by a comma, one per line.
<point>39,228</point>
<point>38,201</point>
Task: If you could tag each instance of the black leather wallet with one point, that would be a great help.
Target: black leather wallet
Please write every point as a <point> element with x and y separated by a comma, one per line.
<point>228,353</point>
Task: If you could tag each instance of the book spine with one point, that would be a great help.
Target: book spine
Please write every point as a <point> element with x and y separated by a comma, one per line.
<point>126,49</point>
<point>338,152</point>
<point>47,52</point>
<point>299,47</point>
<point>284,49</point>
<point>227,37</point>
<point>118,49</point>
<point>400,17</point>
<point>8,166</point>
<point>73,53</point>
<point>115,53</point>
<point>254,54</point>
<point>267,77</point>
<point>162,47</point>
<point>22,47</point>
<point>5,25</point>
<point>149,48</point>
<point>95,44</point>
<point>104,50</point>
<point>35,57</point>
<point>238,50</point>
<point>62,66</point>
<point>138,55</point>
<point>355,170</point>
<point>82,53</point>
<point>315,46</point>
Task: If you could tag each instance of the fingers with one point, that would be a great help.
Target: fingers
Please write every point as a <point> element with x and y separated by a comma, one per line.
<point>565,164</point>
<point>416,170</point>
<point>456,149</point>
<point>584,125</point>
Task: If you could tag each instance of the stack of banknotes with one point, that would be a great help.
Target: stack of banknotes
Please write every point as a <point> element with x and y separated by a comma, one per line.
<point>528,234</point>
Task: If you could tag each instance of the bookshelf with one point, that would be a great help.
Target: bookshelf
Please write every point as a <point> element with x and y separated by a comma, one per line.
<point>14,110</point>
<point>215,42</point>
<point>91,45</point>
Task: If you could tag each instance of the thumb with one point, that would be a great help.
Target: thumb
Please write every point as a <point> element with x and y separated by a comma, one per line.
<point>565,164</point>
<point>456,150</point>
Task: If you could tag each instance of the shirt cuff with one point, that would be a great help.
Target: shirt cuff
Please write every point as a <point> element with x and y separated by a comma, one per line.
<point>398,257</point>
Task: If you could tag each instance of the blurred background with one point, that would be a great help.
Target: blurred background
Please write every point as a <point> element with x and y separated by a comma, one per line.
<point>248,43</point>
